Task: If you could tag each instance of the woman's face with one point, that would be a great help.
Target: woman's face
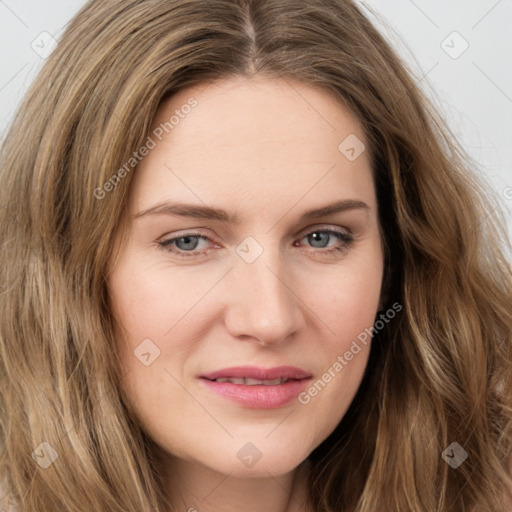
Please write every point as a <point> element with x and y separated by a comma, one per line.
<point>230,262</point>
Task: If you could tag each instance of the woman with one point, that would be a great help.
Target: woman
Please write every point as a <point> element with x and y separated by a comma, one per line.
<point>338,335</point>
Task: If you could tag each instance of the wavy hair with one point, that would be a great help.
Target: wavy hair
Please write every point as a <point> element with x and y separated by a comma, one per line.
<point>440,373</point>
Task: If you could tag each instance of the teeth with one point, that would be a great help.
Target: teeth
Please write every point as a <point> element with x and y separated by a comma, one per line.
<point>255,382</point>
<point>252,382</point>
<point>236,380</point>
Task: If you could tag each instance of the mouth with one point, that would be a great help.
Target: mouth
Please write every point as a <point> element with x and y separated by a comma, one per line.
<point>257,388</point>
<point>246,381</point>
<point>255,373</point>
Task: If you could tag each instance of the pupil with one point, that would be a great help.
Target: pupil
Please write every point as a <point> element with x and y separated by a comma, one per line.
<point>317,237</point>
<point>187,241</point>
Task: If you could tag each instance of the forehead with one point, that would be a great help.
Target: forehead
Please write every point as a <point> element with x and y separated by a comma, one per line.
<point>259,139</point>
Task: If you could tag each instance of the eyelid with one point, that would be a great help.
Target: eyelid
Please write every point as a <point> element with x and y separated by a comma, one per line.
<point>324,227</point>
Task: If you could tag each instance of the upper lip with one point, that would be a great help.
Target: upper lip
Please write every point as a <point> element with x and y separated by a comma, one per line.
<point>254,372</point>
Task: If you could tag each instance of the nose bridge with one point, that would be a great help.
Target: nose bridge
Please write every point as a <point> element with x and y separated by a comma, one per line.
<point>263,305</point>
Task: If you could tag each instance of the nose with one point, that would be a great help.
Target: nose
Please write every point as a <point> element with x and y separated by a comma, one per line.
<point>262,303</point>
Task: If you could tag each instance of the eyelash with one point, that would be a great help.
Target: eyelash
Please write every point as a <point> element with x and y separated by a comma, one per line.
<point>344,237</point>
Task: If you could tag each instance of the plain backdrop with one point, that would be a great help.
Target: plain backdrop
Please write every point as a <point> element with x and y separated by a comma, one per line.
<point>459,52</point>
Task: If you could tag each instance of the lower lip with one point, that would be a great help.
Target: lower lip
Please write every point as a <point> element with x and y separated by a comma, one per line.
<point>259,396</point>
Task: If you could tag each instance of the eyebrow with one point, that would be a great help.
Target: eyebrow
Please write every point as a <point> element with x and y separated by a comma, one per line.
<point>210,213</point>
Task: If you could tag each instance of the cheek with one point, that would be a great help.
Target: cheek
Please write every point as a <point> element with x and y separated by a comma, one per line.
<point>153,342</point>
<point>344,353</point>
<point>149,305</point>
<point>348,316</point>
<point>346,303</point>
<point>347,299</point>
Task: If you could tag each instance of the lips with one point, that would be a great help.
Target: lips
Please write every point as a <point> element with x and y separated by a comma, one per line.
<point>257,388</point>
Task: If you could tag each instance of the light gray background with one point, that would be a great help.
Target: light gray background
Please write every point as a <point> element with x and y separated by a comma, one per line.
<point>473,90</point>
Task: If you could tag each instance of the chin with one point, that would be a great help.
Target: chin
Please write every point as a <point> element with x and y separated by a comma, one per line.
<point>253,459</point>
<point>265,467</point>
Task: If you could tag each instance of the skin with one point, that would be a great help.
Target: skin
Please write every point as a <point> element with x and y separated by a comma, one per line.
<point>266,150</point>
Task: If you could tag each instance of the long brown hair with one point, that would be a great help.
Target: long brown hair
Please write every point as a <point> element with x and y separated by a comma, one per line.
<point>438,374</point>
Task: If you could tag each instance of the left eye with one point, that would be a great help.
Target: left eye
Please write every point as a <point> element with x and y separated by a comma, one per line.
<point>188,242</point>
<point>185,246</point>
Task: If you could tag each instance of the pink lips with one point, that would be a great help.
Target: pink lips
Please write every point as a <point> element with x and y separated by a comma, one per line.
<point>258,396</point>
